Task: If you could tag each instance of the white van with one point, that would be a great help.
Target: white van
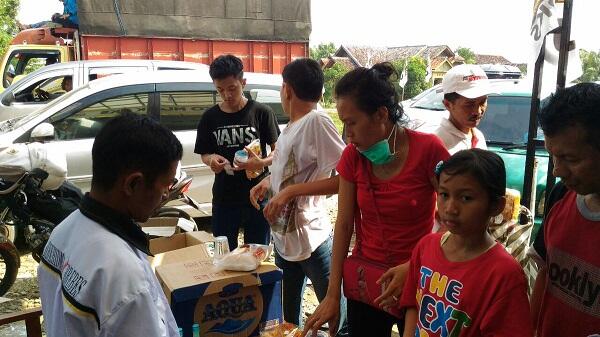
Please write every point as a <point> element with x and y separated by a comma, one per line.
<point>175,98</point>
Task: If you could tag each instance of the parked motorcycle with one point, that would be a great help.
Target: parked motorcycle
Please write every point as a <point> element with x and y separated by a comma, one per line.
<point>28,214</point>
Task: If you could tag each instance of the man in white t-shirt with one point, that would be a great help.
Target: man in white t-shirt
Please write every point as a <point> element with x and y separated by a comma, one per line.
<point>307,152</point>
<point>465,97</point>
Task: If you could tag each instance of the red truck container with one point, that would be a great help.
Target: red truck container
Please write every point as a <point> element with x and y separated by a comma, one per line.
<point>258,56</point>
<point>33,48</point>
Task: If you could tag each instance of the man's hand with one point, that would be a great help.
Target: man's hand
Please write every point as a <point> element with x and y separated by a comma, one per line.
<point>277,203</point>
<point>259,192</point>
<point>327,312</point>
<point>393,279</point>
<point>217,163</point>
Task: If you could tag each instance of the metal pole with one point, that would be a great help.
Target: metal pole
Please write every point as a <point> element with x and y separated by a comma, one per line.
<point>561,77</point>
<point>529,180</point>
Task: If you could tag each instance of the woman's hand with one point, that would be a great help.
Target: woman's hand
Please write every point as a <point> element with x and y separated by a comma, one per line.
<point>277,203</point>
<point>393,279</point>
<point>327,312</point>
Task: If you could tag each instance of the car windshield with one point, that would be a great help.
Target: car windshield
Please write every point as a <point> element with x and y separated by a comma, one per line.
<point>506,120</point>
<point>433,100</point>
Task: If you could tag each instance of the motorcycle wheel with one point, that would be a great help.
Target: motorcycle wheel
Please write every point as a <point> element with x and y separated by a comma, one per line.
<point>9,265</point>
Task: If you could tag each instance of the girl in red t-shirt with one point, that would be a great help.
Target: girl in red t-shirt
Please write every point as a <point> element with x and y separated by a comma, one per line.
<point>386,188</point>
<point>463,283</point>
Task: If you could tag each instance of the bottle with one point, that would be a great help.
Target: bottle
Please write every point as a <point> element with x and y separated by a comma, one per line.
<point>254,146</point>
<point>195,330</point>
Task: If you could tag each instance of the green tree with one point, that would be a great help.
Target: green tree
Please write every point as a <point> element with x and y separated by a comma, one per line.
<point>8,23</point>
<point>416,70</point>
<point>590,62</point>
<point>322,50</point>
<point>332,75</point>
<point>467,54</point>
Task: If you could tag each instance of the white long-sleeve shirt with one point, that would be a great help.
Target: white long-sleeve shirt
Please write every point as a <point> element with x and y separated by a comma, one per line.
<point>95,281</point>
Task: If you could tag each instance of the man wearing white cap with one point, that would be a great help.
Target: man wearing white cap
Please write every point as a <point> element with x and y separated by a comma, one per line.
<point>465,97</point>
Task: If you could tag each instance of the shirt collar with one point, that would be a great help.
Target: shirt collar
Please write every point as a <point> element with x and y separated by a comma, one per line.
<point>448,125</point>
<point>118,223</point>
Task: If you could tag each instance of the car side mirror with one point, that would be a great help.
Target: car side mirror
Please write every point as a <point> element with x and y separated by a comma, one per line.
<point>9,97</point>
<point>42,132</point>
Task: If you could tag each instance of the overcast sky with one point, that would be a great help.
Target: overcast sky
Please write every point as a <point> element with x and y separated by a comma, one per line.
<point>486,26</point>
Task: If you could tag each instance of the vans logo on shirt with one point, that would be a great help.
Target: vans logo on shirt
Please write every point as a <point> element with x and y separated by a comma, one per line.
<point>235,135</point>
<point>574,281</point>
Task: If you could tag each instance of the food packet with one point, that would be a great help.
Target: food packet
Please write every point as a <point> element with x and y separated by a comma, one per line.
<point>254,146</point>
<point>282,330</point>
<point>244,258</point>
<point>286,329</point>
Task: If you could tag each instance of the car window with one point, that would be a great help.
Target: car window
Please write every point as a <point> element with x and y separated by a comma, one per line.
<point>44,90</point>
<point>86,123</point>
<point>182,110</point>
<point>431,101</point>
<point>99,72</point>
<point>506,119</point>
<point>24,63</point>
<point>272,99</point>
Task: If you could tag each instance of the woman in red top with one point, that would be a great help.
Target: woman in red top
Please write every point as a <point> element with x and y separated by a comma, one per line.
<point>389,194</point>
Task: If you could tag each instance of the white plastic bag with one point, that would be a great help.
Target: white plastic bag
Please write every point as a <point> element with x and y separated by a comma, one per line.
<point>244,258</point>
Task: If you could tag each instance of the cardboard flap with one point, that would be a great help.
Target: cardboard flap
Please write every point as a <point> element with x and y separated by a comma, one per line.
<point>201,276</point>
<point>160,226</point>
<point>179,255</point>
<point>177,241</point>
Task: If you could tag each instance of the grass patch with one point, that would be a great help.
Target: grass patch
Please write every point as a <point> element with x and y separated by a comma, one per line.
<point>336,120</point>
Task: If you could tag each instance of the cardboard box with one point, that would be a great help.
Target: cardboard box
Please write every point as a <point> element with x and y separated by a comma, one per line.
<point>179,247</point>
<point>160,227</point>
<point>166,226</point>
<point>223,303</point>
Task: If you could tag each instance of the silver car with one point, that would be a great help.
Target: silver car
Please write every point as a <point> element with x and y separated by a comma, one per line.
<point>175,98</point>
<point>36,89</point>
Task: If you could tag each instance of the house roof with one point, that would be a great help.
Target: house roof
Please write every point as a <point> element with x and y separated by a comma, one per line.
<point>328,62</point>
<point>491,59</point>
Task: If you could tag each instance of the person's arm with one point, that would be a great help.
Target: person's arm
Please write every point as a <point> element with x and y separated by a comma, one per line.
<point>537,294</point>
<point>254,161</point>
<point>410,322</point>
<point>137,316</point>
<point>320,187</point>
<point>214,161</point>
<point>328,310</point>
<point>259,191</point>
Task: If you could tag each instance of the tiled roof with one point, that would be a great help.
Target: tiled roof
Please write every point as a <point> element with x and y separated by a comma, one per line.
<point>491,59</point>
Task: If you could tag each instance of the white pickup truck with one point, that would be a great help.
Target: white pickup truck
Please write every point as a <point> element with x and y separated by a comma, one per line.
<point>32,91</point>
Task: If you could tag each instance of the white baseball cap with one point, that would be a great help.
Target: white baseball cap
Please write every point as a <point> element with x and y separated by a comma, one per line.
<point>467,80</point>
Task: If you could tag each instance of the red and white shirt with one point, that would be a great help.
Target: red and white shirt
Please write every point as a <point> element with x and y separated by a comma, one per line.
<point>485,296</point>
<point>568,245</point>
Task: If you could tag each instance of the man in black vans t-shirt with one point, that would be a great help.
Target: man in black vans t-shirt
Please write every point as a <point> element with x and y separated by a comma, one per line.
<point>224,129</point>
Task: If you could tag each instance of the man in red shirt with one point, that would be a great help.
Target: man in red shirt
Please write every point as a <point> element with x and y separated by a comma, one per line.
<point>566,297</point>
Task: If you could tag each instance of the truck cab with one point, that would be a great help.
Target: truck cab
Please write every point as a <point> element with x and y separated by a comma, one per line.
<point>33,49</point>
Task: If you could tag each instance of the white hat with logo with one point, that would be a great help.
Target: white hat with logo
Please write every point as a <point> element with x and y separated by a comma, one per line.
<point>467,80</point>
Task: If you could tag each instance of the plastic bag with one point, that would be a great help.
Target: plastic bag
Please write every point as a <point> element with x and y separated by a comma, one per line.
<point>244,258</point>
